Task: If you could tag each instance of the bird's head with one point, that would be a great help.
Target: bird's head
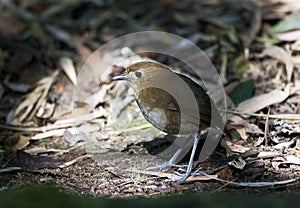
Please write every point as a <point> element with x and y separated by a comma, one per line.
<point>142,73</point>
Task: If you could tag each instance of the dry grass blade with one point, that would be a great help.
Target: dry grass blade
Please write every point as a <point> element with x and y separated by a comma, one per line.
<point>58,126</point>
<point>60,132</point>
<point>33,101</point>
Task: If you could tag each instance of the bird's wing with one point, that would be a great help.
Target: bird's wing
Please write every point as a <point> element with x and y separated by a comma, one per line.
<point>205,105</point>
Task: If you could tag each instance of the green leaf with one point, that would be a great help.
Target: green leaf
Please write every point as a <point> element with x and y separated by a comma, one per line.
<point>242,92</point>
<point>290,23</point>
<point>272,41</point>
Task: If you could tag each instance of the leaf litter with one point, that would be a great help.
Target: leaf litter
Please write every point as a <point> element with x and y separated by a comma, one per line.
<point>48,138</point>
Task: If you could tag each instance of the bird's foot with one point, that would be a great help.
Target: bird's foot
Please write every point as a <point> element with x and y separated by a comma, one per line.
<point>170,163</point>
<point>184,176</point>
<point>166,165</point>
<point>188,171</point>
<point>197,173</point>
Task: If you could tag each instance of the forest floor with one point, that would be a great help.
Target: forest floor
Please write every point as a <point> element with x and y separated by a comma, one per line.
<point>64,122</point>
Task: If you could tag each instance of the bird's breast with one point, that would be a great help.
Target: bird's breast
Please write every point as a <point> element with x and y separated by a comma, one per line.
<point>163,112</point>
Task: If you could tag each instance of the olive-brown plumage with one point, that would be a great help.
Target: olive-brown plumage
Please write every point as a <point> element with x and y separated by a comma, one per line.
<point>145,77</point>
<point>171,102</point>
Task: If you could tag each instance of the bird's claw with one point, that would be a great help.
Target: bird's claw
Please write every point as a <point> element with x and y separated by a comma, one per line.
<point>184,176</point>
<point>196,173</point>
<point>179,180</point>
<point>165,165</point>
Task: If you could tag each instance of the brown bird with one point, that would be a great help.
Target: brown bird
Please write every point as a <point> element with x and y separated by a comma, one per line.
<point>173,103</point>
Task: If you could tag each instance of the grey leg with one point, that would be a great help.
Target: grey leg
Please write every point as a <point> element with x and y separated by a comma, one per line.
<point>170,163</point>
<point>190,165</point>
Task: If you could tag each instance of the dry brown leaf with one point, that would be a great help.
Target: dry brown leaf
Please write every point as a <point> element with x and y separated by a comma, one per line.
<point>68,67</point>
<point>288,36</point>
<point>17,143</point>
<point>268,154</point>
<point>72,139</point>
<point>259,141</point>
<point>241,130</point>
<point>35,162</point>
<point>288,159</point>
<point>284,145</point>
<point>275,165</point>
<point>41,150</point>
<point>94,66</point>
<point>225,174</point>
<point>296,46</point>
<point>291,159</point>
<point>280,54</point>
<point>46,110</point>
<point>100,96</point>
<point>279,9</point>
<point>84,51</point>
<point>80,111</point>
<point>60,34</point>
<point>253,128</point>
<point>101,112</point>
<point>259,102</point>
<point>237,148</point>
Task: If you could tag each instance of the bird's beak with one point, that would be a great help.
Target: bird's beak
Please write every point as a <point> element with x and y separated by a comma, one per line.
<point>120,77</point>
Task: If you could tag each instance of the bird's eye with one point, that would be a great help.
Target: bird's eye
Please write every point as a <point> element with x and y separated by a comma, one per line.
<point>138,74</point>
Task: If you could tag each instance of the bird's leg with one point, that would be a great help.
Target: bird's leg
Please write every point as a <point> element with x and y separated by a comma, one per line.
<point>170,163</point>
<point>190,165</point>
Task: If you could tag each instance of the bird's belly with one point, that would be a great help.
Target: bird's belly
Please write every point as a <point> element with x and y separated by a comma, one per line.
<point>169,121</point>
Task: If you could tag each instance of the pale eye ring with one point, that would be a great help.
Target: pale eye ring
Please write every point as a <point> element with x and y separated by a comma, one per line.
<point>138,74</point>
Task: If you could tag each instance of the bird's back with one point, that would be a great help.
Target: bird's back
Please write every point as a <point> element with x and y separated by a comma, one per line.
<point>163,111</point>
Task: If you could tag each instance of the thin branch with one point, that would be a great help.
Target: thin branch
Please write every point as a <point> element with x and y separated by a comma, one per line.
<point>277,116</point>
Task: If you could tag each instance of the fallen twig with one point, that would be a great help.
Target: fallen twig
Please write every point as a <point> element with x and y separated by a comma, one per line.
<point>71,162</point>
<point>206,177</point>
<point>279,116</point>
<point>9,169</point>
